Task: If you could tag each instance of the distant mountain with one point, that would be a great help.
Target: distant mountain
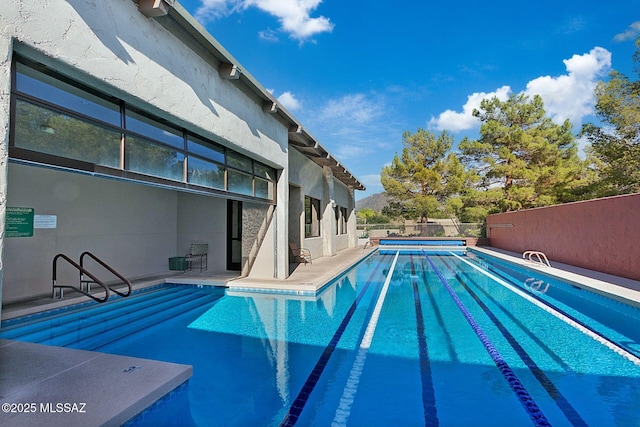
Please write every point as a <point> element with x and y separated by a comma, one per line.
<point>375,202</point>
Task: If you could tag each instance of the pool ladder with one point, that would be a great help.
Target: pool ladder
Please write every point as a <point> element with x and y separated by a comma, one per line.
<point>84,272</point>
<point>536,257</point>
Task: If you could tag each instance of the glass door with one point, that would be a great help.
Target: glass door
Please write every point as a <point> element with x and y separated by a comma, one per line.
<point>234,235</point>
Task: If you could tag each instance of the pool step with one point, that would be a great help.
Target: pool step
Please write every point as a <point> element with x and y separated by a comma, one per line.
<point>39,318</point>
<point>59,318</point>
<point>99,327</point>
<point>138,323</point>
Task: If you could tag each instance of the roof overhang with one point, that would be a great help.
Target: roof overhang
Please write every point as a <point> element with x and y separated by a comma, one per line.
<point>184,26</point>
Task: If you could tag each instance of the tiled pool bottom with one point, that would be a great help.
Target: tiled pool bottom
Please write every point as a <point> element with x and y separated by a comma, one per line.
<point>268,359</point>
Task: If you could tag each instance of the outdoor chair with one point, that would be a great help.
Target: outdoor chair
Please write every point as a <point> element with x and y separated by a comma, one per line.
<point>198,253</point>
<point>300,254</point>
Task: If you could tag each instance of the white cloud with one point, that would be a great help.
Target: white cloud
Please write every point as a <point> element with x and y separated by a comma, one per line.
<point>631,33</point>
<point>269,35</point>
<point>570,96</point>
<point>355,127</point>
<point>214,9</point>
<point>294,16</point>
<point>289,101</point>
<point>352,108</point>
<point>457,121</point>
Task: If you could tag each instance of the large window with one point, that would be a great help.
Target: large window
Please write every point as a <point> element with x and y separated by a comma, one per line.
<point>73,126</point>
<point>41,129</point>
<point>311,217</point>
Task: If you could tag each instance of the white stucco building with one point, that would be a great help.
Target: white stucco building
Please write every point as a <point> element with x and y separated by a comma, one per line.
<point>128,131</point>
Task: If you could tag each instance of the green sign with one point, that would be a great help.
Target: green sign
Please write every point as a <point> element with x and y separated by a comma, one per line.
<point>18,222</point>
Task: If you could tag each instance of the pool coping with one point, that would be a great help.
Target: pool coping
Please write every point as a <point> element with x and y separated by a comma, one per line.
<point>307,279</point>
<point>117,388</point>
<point>614,287</point>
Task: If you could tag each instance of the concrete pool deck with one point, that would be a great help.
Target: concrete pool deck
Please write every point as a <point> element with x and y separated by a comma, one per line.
<point>55,386</point>
<point>116,388</point>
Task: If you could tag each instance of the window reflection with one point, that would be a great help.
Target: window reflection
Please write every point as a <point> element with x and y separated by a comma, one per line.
<point>58,117</point>
<point>148,127</point>
<point>145,157</point>
<point>205,173</point>
<point>263,188</point>
<point>205,149</point>
<point>47,88</point>
<point>46,131</point>
<point>239,182</point>
<point>239,161</point>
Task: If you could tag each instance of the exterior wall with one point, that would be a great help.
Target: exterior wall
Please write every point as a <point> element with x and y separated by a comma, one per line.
<point>601,235</point>
<point>310,177</point>
<point>256,240</point>
<point>345,197</point>
<point>131,227</point>
<point>113,48</point>
<point>319,183</point>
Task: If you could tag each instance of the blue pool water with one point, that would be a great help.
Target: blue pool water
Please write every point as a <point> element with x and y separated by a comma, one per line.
<point>420,338</point>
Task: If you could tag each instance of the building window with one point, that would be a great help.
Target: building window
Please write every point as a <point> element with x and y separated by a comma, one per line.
<point>341,220</point>
<point>75,126</point>
<point>311,217</point>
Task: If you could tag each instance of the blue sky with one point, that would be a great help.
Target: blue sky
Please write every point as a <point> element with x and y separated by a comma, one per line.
<point>357,74</point>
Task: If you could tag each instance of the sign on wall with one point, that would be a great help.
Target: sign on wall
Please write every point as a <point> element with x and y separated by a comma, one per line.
<point>19,222</point>
<point>45,221</point>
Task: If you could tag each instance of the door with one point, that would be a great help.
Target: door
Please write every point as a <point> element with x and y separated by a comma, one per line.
<point>234,235</point>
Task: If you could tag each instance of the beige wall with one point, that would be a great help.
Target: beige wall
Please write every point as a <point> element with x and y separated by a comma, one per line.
<point>133,227</point>
<point>317,182</point>
<point>601,235</point>
<point>202,219</point>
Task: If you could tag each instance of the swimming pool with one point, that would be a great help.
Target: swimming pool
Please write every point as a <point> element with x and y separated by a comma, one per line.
<point>404,338</point>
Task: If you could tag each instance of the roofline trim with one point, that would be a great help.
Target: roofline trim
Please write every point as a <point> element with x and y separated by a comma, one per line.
<point>229,68</point>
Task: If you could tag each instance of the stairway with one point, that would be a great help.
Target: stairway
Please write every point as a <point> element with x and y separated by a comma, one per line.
<point>89,327</point>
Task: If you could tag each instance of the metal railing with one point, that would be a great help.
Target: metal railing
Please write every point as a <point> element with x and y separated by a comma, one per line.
<point>114,272</point>
<point>54,278</point>
<point>444,228</point>
<point>84,272</point>
<point>536,257</point>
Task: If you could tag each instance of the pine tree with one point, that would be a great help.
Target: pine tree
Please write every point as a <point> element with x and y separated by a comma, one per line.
<point>522,158</point>
<point>421,179</point>
<point>616,145</point>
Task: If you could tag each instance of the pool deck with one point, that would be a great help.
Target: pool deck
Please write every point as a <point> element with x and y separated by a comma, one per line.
<point>114,388</point>
<point>56,386</point>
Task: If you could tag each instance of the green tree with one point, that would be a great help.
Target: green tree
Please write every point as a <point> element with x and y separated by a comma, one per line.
<point>363,215</point>
<point>521,160</point>
<point>420,180</point>
<point>616,145</point>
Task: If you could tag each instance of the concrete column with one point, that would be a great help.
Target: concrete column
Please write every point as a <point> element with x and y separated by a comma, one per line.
<point>351,221</point>
<point>328,215</point>
<point>5,96</point>
<point>281,227</point>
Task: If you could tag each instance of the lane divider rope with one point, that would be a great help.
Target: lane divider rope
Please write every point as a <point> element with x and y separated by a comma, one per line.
<point>530,406</point>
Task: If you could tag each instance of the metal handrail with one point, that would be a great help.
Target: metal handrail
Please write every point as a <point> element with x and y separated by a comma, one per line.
<point>542,258</point>
<point>82,270</point>
<point>114,272</point>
